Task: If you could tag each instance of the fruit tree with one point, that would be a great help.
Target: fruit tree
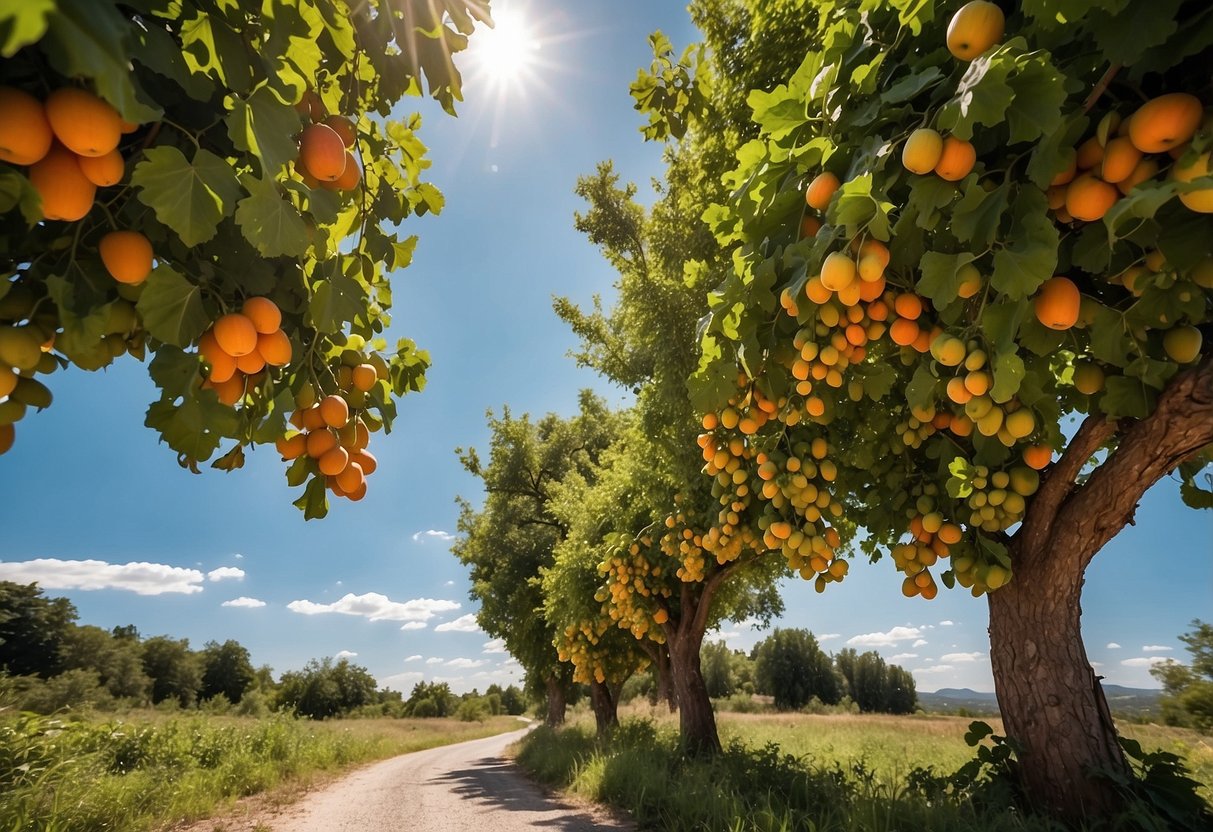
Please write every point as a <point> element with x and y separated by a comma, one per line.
<point>217,186</point>
<point>974,269</point>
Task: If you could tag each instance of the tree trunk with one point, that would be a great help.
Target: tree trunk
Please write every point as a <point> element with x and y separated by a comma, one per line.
<point>556,702</point>
<point>665,687</point>
<point>696,720</point>
<point>605,705</point>
<point>1051,701</point>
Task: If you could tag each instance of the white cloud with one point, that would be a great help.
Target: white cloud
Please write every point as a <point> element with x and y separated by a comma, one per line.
<point>827,637</point>
<point>467,663</point>
<point>462,624</point>
<point>497,645</point>
<point>433,660</point>
<point>919,642</point>
<point>888,639</point>
<point>1143,661</point>
<point>377,607</point>
<point>413,625</point>
<point>225,572</point>
<point>945,623</point>
<point>401,681</point>
<point>939,668</point>
<point>511,660</point>
<point>139,577</point>
<point>976,655</point>
<point>239,556</point>
<point>1113,645</point>
<point>449,583</point>
<point>245,602</point>
<point>344,654</point>
<point>414,657</point>
<point>1156,648</point>
<point>433,534</point>
<point>901,656</point>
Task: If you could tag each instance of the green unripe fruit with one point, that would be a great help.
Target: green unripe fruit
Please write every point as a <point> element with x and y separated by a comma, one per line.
<point>20,347</point>
<point>1088,378</point>
<point>1182,344</point>
<point>1024,480</point>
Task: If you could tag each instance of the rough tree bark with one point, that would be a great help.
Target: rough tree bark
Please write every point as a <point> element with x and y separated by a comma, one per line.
<point>659,654</point>
<point>556,702</point>
<point>605,703</point>
<point>696,719</point>
<point>1051,701</point>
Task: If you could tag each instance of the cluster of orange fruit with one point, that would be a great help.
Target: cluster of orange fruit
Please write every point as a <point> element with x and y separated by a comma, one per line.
<point>242,344</point>
<point>325,160</point>
<point>1123,153</point>
<point>336,441</point>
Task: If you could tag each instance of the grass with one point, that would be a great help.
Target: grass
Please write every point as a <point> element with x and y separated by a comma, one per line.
<point>797,772</point>
<point>149,772</point>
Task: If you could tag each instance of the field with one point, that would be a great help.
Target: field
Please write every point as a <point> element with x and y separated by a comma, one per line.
<point>148,771</point>
<point>844,772</point>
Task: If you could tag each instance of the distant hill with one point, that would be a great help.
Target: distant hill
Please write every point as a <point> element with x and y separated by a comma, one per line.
<point>949,700</point>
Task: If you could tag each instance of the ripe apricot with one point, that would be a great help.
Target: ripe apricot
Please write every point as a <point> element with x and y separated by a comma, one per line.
<point>223,365</point>
<point>904,332</point>
<point>230,391</point>
<point>335,411</point>
<point>86,125</point>
<point>333,461</point>
<point>322,152</point>
<point>292,447</point>
<point>821,189</point>
<point>1066,175</point>
<point>908,306</point>
<point>351,478</point>
<point>127,256</point>
<point>364,377</point>
<point>1057,303</point>
<point>809,226</point>
<point>1037,456</point>
<point>1090,154</point>
<point>956,161</point>
<point>1119,161</point>
<point>974,28</point>
<point>312,420</point>
<point>838,271</point>
<point>366,459</point>
<point>922,151</point>
<point>869,290</point>
<point>343,128</point>
<point>970,281</point>
<point>320,442</point>
<point>251,363</point>
<point>310,106</point>
<point>275,348</point>
<point>25,134</point>
<point>1088,198</point>
<point>1201,200</point>
<point>103,171</point>
<point>349,178</point>
<point>236,334</point>
<point>263,313</point>
<point>66,192</point>
<point>1165,122</point>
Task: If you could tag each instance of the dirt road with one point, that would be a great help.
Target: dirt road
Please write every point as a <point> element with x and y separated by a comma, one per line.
<point>470,786</point>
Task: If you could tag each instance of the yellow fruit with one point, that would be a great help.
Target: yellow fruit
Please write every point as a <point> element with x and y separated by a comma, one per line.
<point>1020,424</point>
<point>1165,122</point>
<point>25,134</point>
<point>948,351</point>
<point>1182,344</point>
<point>20,347</point>
<point>974,28</point>
<point>1024,481</point>
<point>922,151</point>
<point>970,281</point>
<point>1201,200</point>
<point>838,271</point>
<point>86,125</point>
<point>127,256</point>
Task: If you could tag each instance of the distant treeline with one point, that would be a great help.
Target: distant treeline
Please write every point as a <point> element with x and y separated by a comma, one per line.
<point>49,662</point>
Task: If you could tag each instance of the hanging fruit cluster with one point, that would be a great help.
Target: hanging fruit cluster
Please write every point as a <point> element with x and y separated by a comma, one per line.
<point>944,259</point>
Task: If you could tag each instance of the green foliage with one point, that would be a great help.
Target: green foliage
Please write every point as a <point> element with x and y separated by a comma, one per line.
<point>226,671</point>
<point>216,96</point>
<point>1188,689</point>
<point>726,671</point>
<point>325,689</point>
<point>33,629</point>
<point>790,666</point>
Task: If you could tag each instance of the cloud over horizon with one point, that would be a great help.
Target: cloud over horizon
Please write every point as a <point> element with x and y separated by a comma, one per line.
<point>140,577</point>
<point>888,639</point>
<point>376,607</point>
<point>433,534</point>
<point>462,624</point>
<point>244,602</point>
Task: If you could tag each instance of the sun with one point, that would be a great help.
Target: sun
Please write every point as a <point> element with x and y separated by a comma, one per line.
<point>504,54</point>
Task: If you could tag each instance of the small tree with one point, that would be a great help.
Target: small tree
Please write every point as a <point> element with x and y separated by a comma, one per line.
<point>789,665</point>
<point>1188,689</point>
<point>175,670</point>
<point>226,670</point>
<point>33,630</point>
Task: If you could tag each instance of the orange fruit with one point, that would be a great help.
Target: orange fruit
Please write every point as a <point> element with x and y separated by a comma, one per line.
<point>343,128</point>
<point>86,125</point>
<point>263,313</point>
<point>292,447</point>
<point>236,334</point>
<point>312,420</point>
<point>922,151</point>
<point>365,377</point>
<point>65,190</point>
<point>1090,154</point>
<point>1119,161</point>
<point>1146,169</point>
<point>809,227</point>
<point>322,152</point>
<point>320,442</point>
<point>310,106</point>
<point>1037,456</point>
<point>1067,174</point>
<point>335,411</point>
<point>230,391</point>
<point>1201,200</point>
<point>333,461</point>
<point>974,28</point>
<point>103,171</point>
<point>1057,303</point>
<point>1089,198</point>
<point>904,332</point>
<point>349,178</point>
<point>127,127</point>
<point>351,478</point>
<point>223,366</point>
<point>1165,122</point>
<point>275,348</point>
<point>908,306</point>
<point>127,256</point>
<point>956,161</point>
<point>25,134</point>
<point>355,496</point>
<point>870,290</point>
<point>366,459</point>
<point>251,363</point>
<point>815,291</point>
<point>821,189</point>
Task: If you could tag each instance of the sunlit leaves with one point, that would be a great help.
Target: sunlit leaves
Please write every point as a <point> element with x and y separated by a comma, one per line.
<point>23,23</point>
<point>171,307</point>
<point>271,223</point>
<point>264,126</point>
<point>190,197</point>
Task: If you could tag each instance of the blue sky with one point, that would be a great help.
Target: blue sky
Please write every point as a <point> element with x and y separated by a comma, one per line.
<point>87,482</point>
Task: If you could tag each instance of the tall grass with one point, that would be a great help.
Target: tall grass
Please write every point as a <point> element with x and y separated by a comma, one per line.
<point>58,776</point>
<point>844,774</point>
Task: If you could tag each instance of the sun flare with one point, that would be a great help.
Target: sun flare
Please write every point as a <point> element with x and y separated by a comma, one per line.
<point>504,53</point>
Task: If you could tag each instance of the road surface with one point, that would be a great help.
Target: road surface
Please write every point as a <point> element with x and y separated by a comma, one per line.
<point>469,786</point>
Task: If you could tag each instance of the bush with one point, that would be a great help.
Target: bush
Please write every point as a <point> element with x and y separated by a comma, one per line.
<point>472,709</point>
<point>742,703</point>
<point>424,709</point>
<point>71,690</point>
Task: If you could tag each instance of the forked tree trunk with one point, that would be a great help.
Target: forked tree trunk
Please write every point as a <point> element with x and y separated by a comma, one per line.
<point>1052,704</point>
<point>606,706</point>
<point>556,702</point>
<point>696,719</point>
<point>665,685</point>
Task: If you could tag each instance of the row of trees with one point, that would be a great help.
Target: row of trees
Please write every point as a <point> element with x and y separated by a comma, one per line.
<point>814,422</point>
<point>52,662</point>
<point>790,666</point>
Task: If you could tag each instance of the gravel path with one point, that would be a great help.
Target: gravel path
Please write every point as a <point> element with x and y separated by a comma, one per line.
<point>469,786</point>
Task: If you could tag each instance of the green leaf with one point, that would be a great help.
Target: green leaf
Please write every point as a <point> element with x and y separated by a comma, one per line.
<point>171,307</point>
<point>160,53</point>
<point>22,23</point>
<point>174,370</point>
<point>977,215</point>
<point>940,280</point>
<point>1001,322</point>
<point>1110,340</point>
<point>402,252</point>
<point>1039,95</point>
<point>213,48</point>
<point>928,194</point>
<point>314,503</point>
<point>1029,257</point>
<point>1126,397</point>
<point>983,95</point>
<point>88,39</point>
<point>911,85</point>
<point>1194,496</point>
<point>16,190</point>
<point>264,126</point>
<point>335,302</point>
<point>193,426</point>
<point>878,381</point>
<point>1122,42</point>
<point>189,197</point>
<point>920,392</point>
<point>271,223</point>
<point>1008,369</point>
<point>231,460</point>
